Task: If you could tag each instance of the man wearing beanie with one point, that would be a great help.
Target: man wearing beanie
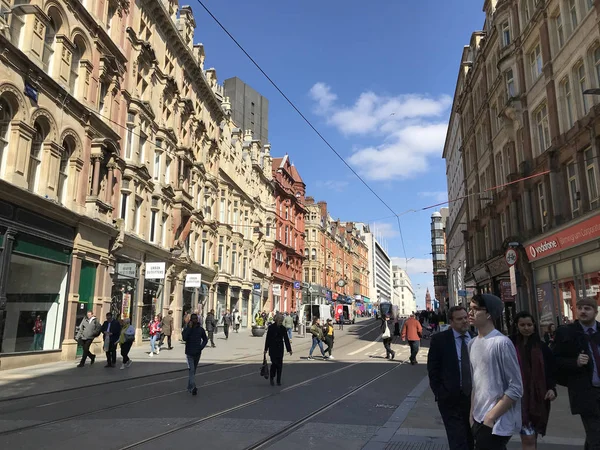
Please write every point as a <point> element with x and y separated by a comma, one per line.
<point>497,384</point>
<point>577,351</point>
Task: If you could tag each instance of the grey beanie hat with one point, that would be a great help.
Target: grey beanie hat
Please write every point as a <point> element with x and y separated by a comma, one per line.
<point>493,304</point>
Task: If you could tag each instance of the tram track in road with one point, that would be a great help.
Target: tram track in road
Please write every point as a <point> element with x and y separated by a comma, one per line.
<point>159,396</point>
<point>287,430</point>
<point>169,372</point>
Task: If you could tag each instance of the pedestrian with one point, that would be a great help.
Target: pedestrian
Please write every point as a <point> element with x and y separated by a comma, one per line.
<point>38,333</point>
<point>539,385</point>
<point>341,320</point>
<point>89,328</point>
<point>167,330</point>
<point>111,330</point>
<point>226,323</point>
<point>154,330</point>
<point>211,326</point>
<point>195,340</point>
<point>296,320</point>
<point>387,331</point>
<point>449,369</point>
<point>126,341</point>
<point>329,338</point>
<point>496,377</point>
<point>412,331</point>
<point>549,335</point>
<point>317,338</point>
<point>288,323</point>
<point>277,337</point>
<point>237,319</point>
<point>577,352</point>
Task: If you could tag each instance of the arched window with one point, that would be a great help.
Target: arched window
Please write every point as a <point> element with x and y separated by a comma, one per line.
<point>314,254</point>
<point>597,64</point>
<point>78,53</point>
<point>6,115</point>
<point>63,169</point>
<point>52,29</point>
<point>41,131</point>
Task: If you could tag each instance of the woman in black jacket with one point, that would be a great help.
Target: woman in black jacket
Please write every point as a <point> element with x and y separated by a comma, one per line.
<point>539,382</point>
<point>276,337</point>
<point>387,332</point>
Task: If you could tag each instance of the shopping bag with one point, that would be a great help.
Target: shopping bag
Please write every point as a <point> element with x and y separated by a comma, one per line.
<point>264,370</point>
<point>106,344</point>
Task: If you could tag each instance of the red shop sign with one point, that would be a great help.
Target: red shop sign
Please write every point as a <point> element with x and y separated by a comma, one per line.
<point>585,231</point>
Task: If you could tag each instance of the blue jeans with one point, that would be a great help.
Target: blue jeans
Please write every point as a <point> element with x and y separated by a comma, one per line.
<point>153,340</point>
<point>289,332</point>
<point>192,361</point>
<point>316,342</point>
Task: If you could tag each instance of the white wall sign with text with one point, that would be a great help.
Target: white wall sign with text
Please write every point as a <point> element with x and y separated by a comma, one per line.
<point>193,280</point>
<point>276,289</point>
<point>155,270</point>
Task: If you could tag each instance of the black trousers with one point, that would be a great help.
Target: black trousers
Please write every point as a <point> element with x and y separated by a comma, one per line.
<point>387,343</point>
<point>111,354</point>
<point>86,351</point>
<point>455,415</point>
<point>485,440</point>
<point>125,347</point>
<point>329,342</point>
<point>162,339</point>
<point>211,337</point>
<point>276,367</point>
<point>591,424</point>
<point>226,331</point>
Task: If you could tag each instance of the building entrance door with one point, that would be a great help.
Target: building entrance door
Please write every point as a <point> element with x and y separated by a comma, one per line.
<point>87,281</point>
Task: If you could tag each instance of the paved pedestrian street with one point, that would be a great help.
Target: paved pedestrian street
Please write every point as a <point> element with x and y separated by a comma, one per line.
<point>360,400</point>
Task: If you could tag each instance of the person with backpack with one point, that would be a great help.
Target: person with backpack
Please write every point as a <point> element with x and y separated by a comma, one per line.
<point>89,329</point>
<point>126,341</point>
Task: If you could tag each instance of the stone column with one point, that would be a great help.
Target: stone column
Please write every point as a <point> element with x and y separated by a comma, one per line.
<point>96,179</point>
<point>9,238</point>
<point>69,346</point>
<point>138,304</point>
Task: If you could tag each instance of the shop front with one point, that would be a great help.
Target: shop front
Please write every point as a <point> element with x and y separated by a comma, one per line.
<point>35,265</point>
<point>566,266</point>
<point>256,303</point>
<point>124,288</point>
<point>152,295</point>
<point>245,307</point>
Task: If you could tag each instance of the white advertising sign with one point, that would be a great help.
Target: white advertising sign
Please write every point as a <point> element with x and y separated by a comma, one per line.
<point>126,270</point>
<point>276,289</point>
<point>155,270</point>
<point>193,280</point>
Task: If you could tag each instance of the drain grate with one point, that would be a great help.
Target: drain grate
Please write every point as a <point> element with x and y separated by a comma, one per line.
<point>416,446</point>
<point>384,406</point>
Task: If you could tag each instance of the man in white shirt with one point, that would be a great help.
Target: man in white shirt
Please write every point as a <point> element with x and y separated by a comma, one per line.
<point>497,384</point>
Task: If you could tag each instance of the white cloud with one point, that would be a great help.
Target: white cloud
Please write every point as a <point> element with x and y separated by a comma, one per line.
<point>334,185</point>
<point>415,266</point>
<point>409,129</point>
<point>384,230</point>
<point>438,196</point>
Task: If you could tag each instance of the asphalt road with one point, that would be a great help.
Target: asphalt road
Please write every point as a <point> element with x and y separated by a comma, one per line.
<point>322,404</point>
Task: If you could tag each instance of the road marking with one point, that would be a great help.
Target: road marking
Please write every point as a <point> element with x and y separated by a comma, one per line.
<point>365,347</point>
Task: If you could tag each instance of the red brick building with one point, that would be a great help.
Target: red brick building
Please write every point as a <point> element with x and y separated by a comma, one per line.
<point>288,253</point>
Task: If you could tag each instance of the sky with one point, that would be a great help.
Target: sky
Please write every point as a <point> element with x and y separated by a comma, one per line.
<point>376,79</point>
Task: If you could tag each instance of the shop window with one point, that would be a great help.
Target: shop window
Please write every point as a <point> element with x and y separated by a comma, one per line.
<point>34,312</point>
<point>152,300</point>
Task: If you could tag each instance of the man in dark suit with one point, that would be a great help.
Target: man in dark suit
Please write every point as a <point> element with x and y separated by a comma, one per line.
<point>450,378</point>
<point>111,332</point>
<point>577,352</point>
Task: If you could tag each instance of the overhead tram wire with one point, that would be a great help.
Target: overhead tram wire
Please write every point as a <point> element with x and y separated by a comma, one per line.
<point>308,122</point>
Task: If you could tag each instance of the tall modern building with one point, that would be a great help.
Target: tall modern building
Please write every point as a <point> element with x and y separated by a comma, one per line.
<point>438,255</point>
<point>380,266</point>
<point>403,293</point>
<point>250,110</point>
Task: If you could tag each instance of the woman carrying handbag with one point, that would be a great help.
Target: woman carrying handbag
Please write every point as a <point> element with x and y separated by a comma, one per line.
<point>276,338</point>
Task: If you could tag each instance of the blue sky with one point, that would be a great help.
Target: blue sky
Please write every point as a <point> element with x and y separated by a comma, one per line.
<point>376,78</point>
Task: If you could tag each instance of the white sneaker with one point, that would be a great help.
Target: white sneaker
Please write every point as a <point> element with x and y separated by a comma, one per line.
<point>158,350</point>
<point>151,355</point>
<point>331,357</point>
<point>122,366</point>
<point>129,363</point>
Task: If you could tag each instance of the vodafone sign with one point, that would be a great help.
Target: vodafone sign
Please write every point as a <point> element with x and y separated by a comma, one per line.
<point>585,231</point>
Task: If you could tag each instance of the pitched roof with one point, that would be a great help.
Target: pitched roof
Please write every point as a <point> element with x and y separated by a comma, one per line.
<point>295,175</point>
